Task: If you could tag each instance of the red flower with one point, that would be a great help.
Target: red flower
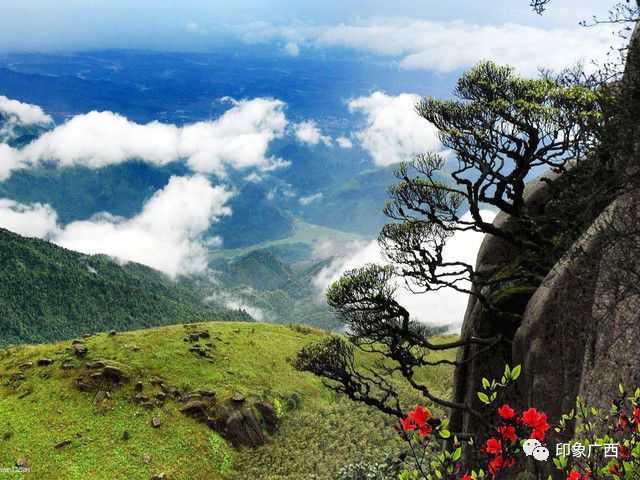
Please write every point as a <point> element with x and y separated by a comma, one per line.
<point>498,463</point>
<point>615,470</point>
<point>636,415</point>
<point>506,412</point>
<point>493,446</point>
<point>623,421</point>
<point>420,415</point>
<point>623,451</point>
<point>424,430</point>
<point>574,475</point>
<point>537,421</point>
<point>466,477</point>
<point>508,432</point>
<point>531,417</point>
<point>587,475</point>
<point>407,424</point>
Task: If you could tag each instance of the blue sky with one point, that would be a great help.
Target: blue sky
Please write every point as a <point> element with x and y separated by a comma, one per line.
<point>160,25</point>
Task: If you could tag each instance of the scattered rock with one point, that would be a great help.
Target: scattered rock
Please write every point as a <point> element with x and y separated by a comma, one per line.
<point>87,335</point>
<point>237,398</point>
<point>195,409</point>
<point>16,377</point>
<point>205,334</point>
<point>63,443</point>
<point>194,396</point>
<point>97,364</point>
<point>100,396</point>
<point>26,365</point>
<point>96,377</point>
<point>82,386</point>
<point>155,422</point>
<point>269,417</point>
<point>157,381</point>
<point>67,366</point>
<point>139,387</point>
<point>242,429</point>
<point>146,458</point>
<point>200,350</point>
<point>114,374</point>
<point>23,464</point>
<point>77,341</point>
<point>112,333</point>
<point>141,399</point>
<point>160,476</point>
<point>173,391</point>
<point>207,393</point>
<point>212,423</point>
<point>43,362</point>
<point>80,349</point>
<point>194,337</point>
<point>161,396</point>
<point>148,405</point>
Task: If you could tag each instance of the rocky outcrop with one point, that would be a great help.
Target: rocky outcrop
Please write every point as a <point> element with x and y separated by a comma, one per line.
<point>580,328</point>
<point>611,353</point>
<point>495,255</point>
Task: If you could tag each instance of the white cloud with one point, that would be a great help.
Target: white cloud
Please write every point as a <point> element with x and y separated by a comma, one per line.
<point>393,130</point>
<point>237,303</point>
<point>35,220</point>
<point>344,142</point>
<point>24,113</point>
<point>311,198</point>
<point>291,49</point>
<point>193,27</point>
<point>253,177</point>
<point>309,133</point>
<point>239,138</point>
<point>9,160</point>
<point>444,307</point>
<point>447,46</point>
<point>166,235</point>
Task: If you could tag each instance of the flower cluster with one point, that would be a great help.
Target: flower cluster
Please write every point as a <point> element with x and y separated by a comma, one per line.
<point>514,434</point>
<point>417,420</point>
<point>502,448</point>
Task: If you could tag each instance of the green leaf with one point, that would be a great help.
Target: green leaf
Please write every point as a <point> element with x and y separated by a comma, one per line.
<point>457,454</point>
<point>515,373</point>
<point>485,383</point>
<point>445,433</point>
<point>483,397</point>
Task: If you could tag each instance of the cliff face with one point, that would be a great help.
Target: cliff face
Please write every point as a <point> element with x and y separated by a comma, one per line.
<point>580,328</point>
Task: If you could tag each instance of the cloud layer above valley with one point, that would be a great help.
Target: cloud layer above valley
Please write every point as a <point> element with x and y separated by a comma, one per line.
<point>444,307</point>
<point>445,46</point>
<point>239,139</point>
<point>167,235</point>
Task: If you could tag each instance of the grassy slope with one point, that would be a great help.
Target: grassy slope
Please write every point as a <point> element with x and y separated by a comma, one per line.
<point>318,437</point>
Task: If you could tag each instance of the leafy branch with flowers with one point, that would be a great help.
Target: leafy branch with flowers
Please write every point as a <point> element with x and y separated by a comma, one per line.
<point>513,435</point>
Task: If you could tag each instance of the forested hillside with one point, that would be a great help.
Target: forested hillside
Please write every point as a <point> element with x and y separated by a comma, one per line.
<point>50,293</point>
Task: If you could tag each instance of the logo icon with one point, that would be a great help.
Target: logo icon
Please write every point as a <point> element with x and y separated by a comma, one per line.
<point>535,448</point>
